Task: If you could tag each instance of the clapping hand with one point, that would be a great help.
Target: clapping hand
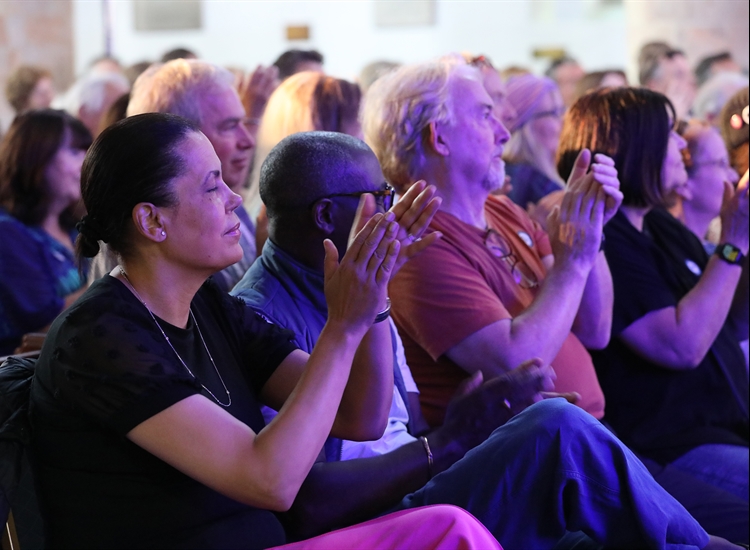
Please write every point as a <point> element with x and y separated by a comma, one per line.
<point>255,89</point>
<point>479,407</point>
<point>413,213</point>
<point>356,288</point>
<point>575,226</point>
<point>734,215</point>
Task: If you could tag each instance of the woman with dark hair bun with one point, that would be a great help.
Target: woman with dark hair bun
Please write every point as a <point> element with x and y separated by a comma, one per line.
<point>40,175</point>
<point>673,374</point>
<point>145,404</point>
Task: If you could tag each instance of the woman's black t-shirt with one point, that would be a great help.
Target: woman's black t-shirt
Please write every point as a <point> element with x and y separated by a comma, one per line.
<point>659,412</point>
<point>104,369</point>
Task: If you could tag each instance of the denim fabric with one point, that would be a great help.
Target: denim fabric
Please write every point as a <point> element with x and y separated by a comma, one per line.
<point>723,466</point>
<point>554,467</point>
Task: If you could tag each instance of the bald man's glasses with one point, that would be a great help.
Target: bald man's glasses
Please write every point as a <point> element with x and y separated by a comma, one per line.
<point>383,198</point>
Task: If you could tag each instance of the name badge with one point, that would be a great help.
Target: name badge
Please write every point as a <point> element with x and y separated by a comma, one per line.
<point>693,267</point>
<point>526,238</point>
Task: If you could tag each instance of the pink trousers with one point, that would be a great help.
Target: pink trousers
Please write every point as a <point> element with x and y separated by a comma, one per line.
<point>438,527</point>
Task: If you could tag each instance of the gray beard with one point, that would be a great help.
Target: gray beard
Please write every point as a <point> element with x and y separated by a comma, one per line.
<point>494,180</point>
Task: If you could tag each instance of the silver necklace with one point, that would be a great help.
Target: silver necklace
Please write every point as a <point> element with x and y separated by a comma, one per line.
<point>195,321</point>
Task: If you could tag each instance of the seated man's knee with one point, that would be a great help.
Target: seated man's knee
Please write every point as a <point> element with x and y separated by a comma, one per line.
<point>556,413</point>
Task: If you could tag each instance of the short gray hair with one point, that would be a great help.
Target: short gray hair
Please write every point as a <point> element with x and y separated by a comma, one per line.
<point>400,106</point>
<point>176,88</point>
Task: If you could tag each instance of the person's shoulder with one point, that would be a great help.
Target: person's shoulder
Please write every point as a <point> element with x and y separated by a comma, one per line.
<point>661,220</point>
<point>257,287</point>
<point>14,232</point>
<point>105,297</point>
<point>242,313</point>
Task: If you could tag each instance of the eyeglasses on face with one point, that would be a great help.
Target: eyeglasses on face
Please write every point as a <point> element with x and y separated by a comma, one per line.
<point>500,248</point>
<point>383,197</point>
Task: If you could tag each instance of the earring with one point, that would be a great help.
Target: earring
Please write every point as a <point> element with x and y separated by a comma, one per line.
<point>163,233</point>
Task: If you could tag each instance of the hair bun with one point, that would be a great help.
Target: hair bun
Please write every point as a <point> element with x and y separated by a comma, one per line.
<point>89,227</point>
<point>90,232</point>
<point>86,247</point>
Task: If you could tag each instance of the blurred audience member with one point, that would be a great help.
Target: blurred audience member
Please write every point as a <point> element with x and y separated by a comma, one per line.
<point>91,96</point>
<point>648,59</point>
<point>666,70</point>
<point>178,53</point>
<point>132,72</point>
<point>496,88</point>
<point>513,70</point>
<point>698,201</point>
<point>203,93</point>
<point>372,71</point>
<point>535,132</point>
<point>105,64</point>
<point>566,72</point>
<point>303,102</point>
<point>295,61</point>
<point>117,111</point>
<point>610,78</point>
<point>714,94</point>
<point>715,64</point>
<point>29,88</point>
<point>255,89</point>
<point>734,123</point>
<point>40,183</point>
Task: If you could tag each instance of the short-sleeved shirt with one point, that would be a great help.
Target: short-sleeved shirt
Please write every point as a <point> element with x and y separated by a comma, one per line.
<point>457,287</point>
<point>36,274</point>
<point>104,369</point>
<point>659,412</point>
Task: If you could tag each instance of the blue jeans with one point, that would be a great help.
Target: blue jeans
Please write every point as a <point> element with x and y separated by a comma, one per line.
<point>723,466</point>
<point>554,468</point>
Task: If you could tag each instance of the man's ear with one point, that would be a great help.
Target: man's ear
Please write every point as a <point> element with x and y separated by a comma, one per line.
<point>435,140</point>
<point>149,222</point>
<point>323,216</point>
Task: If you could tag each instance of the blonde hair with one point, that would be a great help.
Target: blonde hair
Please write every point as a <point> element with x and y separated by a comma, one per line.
<point>304,102</point>
<point>399,108</point>
<point>522,148</point>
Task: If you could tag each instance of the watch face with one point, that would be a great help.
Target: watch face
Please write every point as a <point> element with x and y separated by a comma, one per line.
<point>730,253</point>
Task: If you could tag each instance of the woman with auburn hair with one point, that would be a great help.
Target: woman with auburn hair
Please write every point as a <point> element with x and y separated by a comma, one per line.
<point>40,187</point>
<point>145,403</point>
<point>304,102</point>
<point>673,374</point>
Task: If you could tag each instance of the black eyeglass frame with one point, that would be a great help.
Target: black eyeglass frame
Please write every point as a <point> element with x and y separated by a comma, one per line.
<point>383,197</point>
<point>517,267</point>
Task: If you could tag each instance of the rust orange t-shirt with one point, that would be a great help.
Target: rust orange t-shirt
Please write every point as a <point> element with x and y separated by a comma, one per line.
<point>457,287</point>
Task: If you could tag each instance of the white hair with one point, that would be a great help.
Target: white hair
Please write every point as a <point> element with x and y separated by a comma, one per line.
<point>89,91</point>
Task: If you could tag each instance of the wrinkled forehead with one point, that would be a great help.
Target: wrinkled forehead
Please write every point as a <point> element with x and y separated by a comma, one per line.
<point>467,88</point>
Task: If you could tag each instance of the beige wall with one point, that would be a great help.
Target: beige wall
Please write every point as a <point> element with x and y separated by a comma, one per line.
<point>699,28</point>
<point>35,32</point>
